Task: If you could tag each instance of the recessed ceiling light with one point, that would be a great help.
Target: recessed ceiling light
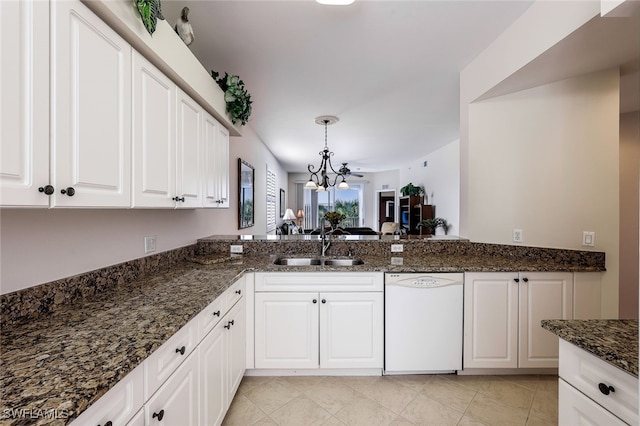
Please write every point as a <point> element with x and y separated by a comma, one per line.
<point>336,2</point>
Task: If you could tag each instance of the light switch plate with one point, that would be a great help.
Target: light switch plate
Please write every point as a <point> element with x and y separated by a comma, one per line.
<point>236,248</point>
<point>588,238</point>
<point>149,244</point>
<point>397,248</point>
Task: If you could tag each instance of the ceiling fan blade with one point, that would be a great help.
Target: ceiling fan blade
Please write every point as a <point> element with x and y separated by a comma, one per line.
<point>347,172</point>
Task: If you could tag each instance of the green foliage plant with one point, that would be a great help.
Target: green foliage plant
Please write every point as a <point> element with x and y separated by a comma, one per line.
<point>432,224</point>
<point>334,218</point>
<point>411,189</point>
<point>150,11</point>
<point>236,96</point>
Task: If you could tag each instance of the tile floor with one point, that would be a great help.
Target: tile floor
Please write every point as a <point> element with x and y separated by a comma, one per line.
<point>396,400</point>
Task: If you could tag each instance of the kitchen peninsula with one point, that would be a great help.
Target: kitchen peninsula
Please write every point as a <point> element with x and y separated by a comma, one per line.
<point>66,343</point>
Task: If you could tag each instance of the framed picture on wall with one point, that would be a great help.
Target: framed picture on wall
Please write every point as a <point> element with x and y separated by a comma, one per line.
<point>283,202</point>
<point>245,198</point>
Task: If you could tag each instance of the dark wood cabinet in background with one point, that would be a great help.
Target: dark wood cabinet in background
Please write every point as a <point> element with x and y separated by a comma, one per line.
<point>412,211</point>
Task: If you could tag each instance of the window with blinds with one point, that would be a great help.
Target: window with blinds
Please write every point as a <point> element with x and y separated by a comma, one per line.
<point>271,200</point>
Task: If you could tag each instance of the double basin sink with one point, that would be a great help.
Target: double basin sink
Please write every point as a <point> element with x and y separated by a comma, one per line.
<point>317,261</point>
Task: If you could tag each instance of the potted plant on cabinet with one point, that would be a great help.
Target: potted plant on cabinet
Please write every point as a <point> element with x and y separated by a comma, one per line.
<point>411,189</point>
<point>431,224</point>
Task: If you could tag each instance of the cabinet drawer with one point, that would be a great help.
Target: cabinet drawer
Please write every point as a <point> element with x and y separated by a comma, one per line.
<point>319,281</point>
<point>119,404</point>
<point>586,372</point>
<point>235,292</point>
<point>211,315</point>
<point>160,364</point>
<point>577,409</point>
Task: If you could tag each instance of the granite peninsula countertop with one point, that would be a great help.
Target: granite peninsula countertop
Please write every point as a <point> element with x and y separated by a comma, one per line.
<point>613,341</point>
<point>67,359</point>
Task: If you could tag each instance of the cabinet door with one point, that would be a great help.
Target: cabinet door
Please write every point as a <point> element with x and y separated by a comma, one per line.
<point>286,330</point>
<point>91,117</point>
<point>576,409</point>
<point>24,102</point>
<point>189,147</point>
<point>154,136</point>
<point>543,295</point>
<point>213,372</point>
<point>351,330</point>
<point>236,332</point>
<point>490,320</point>
<point>216,167</point>
<point>177,401</point>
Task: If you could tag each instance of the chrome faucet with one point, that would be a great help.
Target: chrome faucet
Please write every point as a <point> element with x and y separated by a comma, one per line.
<point>323,236</point>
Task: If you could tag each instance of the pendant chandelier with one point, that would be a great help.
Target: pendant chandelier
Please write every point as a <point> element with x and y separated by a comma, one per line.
<point>319,178</point>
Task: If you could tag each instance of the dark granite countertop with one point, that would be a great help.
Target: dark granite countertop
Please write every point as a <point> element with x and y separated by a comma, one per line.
<point>614,341</point>
<point>67,358</point>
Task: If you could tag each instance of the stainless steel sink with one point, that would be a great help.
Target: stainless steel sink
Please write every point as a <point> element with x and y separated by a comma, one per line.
<point>298,261</point>
<point>317,261</point>
<point>343,262</point>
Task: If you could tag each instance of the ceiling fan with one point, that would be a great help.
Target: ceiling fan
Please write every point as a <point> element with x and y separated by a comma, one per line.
<point>346,171</point>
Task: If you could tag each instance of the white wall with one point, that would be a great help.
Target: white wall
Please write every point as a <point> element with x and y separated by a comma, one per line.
<point>38,246</point>
<point>545,160</point>
<point>440,180</point>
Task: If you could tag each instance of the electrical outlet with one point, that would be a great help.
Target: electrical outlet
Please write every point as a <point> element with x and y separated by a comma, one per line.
<point>588,238</point>
<point>149,244</point>
<point>397,248</point>
<point>236,249</point>
<point>517,236</point>
<point>397,261</point>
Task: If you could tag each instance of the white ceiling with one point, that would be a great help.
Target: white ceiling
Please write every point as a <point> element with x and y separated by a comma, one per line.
<point>388,69</point>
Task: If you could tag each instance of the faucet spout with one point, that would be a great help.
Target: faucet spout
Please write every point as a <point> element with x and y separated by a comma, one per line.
<point>323,237</point>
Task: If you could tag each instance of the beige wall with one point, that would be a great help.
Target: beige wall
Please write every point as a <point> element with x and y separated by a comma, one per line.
<point>38,246</point>
<point>629,201</point>
<point>538,29</point>
<point>545,160</point>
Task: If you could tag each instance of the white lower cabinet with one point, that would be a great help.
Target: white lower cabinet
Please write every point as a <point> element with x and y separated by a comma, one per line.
<point>313,329</point>
<point>577,409</point>
<point>222,365</point>
<point>286,330</point>
<point>351,330</point>
<point>502,314</point>
<point>593,391</point>
<point>177,400</point>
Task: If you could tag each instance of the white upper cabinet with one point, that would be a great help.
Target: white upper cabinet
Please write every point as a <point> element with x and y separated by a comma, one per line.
<point>216,166</point>
<point>24,106</point>
<point>86,121</point>
<point>91,110</point>
<point>154,136</point>
<point>189,149</point>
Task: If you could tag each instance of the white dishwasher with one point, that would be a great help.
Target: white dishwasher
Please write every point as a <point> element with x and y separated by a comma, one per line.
<point>423,323</point>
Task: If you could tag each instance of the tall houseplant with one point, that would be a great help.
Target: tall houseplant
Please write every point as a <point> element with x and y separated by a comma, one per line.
<point>236,96</point>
